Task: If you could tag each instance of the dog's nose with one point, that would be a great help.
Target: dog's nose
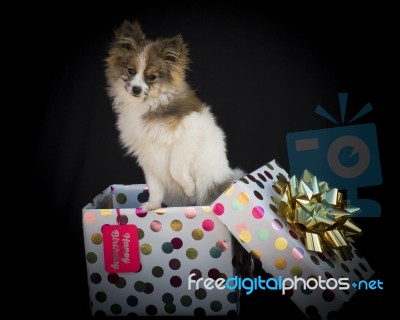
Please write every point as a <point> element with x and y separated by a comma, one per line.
<point>136,90</point>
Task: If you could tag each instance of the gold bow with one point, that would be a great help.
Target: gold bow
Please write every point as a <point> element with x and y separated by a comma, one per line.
<point>318,213</point>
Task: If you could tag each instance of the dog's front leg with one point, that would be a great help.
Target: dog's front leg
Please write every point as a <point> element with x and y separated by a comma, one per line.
<point>156,190</point>
<point>180,171</point>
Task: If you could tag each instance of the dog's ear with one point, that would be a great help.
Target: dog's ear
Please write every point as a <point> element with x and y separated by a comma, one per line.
<point>129,34</point>
<point>173,49</point>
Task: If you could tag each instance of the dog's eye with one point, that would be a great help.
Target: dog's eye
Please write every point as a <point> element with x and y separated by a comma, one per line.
<point>151,77</point>
<point>131,71</point>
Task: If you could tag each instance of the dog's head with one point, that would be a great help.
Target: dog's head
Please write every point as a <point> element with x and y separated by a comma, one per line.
<point>145,68</point>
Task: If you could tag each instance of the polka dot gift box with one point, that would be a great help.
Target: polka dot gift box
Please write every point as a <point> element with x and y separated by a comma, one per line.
<point>248,209</point>
<point>139,263</point>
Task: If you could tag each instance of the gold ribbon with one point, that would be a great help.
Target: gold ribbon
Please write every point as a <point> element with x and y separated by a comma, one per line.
<point>318,213</point>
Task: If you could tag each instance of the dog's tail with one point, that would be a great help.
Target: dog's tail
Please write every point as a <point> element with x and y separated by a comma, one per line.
<point>216,189</point>
<point>239,173</point>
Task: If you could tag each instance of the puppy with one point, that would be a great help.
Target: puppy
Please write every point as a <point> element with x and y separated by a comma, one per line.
<point>162,122</point>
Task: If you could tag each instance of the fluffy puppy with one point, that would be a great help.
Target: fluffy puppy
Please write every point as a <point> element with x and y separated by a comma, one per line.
<point>162,122</point>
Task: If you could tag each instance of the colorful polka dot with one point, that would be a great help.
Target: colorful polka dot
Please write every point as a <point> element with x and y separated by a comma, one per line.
<point>91,257</point>
<point>106,212</point>
<point>197,234</point>
<point>176,225</point>
<point>228,192</point>
<point>306,290</point>
<point>140,213</point>
<point>328,295</point>
<point>281,177</point>
<point>170,308</point>
<point>273,208</point>
<point>215,252</point>
<point>160,212</point>
<point>243,198</point>
<point>223,276</point>
<point>100,296</point>
<point>258,212</point>
<point>206,209</point>
<point>296,271</point>
<point>146,249</point>
<point>244,180</point>
<point>260,176</point>
<point>214,273</point>
<point>89,217</point>
<point>121,283</point>
<point>298,253</point>
<point>321,256</point>
<point>197,273</point>
<point>200,294</point>
<point>215,306</point>
<point>275,200</point>
<point>262,234</point>
<point>208,225</point>
<point>330,263</point>
<point>245,236</point>
<point>312,282</point>
<point>240,227</point>
<point>167,298</point>
<point>190,212</point>
<point>236,206</point>
<point>177,243</point>
<point>281,243</point>
<point>267,174</point>
<point>143,196</point>
<point>314,259</point>
<point>167,247</point>
<point>277,224</point>
<point>140,234</point>
<point>293,234</point>
<point>345,267</point>
<point>258,195</point>
<point>151,310</point>
<point>157,271</point>
<point>95,278</point>
<point>122,219</point>
<point>113,278</point>
<point>280,263</point>
<point>358,273</point>
<point>155,226</point>
<point>148,288</point>
<point>232,298</point>
<point>191,253</point>
<point>132,301</point>
<point>175,281</point>
<point>256,253</point>
<point>218,209</point>
<point>186,301</point>
<point>96,238</point>
<point>121,198</point>
<point>139,286</point>
<point>222,245</point>
<point>174,264</point>
<point>199,312</point>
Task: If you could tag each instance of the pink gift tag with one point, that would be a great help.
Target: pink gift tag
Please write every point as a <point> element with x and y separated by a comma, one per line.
<point>121,248</point>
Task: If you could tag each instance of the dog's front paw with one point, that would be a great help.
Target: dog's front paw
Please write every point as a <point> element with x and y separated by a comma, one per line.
<point>148,206</point>
<point>190,191</point>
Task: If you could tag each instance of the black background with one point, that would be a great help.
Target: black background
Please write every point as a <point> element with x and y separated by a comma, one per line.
<point>263,71</point>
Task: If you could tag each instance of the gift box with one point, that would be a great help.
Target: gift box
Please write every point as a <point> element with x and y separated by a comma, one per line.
<point>139,263</point>
<point>249,209</point>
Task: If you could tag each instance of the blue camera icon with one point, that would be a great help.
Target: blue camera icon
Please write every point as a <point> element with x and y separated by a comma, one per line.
<point>347,157</point>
